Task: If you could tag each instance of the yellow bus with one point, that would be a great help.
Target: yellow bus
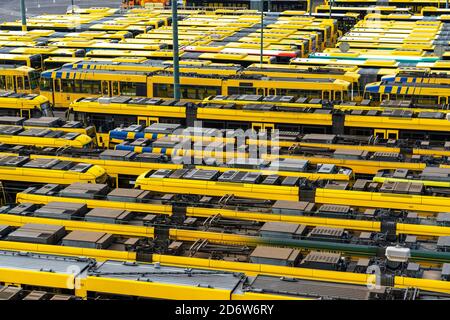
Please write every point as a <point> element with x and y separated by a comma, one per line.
<point>23,105</point>
<point>20,79</point>
<point>64,85</point>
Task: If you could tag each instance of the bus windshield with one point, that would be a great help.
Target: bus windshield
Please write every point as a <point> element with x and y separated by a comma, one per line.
<point>46,109</point>
<point>34,79</point>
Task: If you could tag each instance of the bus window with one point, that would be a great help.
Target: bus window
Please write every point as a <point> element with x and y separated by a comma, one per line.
<point>326,95</point>
<point>2,82</point>
<point>68,85</point>
<point>257,127</point>
<point>379,133</point>
<point>199,92</point>
<point>20,84</point>
<point>36,62</point>
<point>34,79</point>
<point>57,85</point>
<point>442,100</point>
<point>90,87</point>
<point>46,110</point>
<point>163,90</point>
<point>260,91</point>
<point>141,89</point>
<point>115,88</point>
<point>392,134</point>
<point>105,88</point>
<point>241,90</point>
<point>128,88</point>
<point>10,83</point>
<point>46,84</point>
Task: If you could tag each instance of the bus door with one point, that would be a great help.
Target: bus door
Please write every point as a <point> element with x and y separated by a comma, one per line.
<point>25,113</point>
<point>10,83</point>
<point>146,121</point>
<point>57,96</point>
<point>105,88</point>
<point>257,126</point>
<point>115,88</point>
<point>102,140</point>
<point>268,127</point>
<point>20,84</point>
<point>386,134</point>
<point>392,134</point>
<point>261,91</point>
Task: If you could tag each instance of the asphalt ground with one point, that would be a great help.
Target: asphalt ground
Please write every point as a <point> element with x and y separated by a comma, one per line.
<point>10,9</point>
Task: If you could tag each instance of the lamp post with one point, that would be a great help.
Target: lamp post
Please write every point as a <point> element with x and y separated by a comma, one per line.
<point>176,59</point>
<point>24,15</point>
<point>261,48</point>
<point>330,5</point>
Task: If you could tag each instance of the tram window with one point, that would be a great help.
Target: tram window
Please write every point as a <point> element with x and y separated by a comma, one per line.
<point>46,84</point>
<point>91,87</point>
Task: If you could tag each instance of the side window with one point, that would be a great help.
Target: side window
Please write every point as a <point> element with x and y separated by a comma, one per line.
<point>2,83</point>
<point>57,85</point>
<point>128,88</point>
<point>115,88</point>
<point>105,88</point>
<point>20,83</point>
<point>68,85</point>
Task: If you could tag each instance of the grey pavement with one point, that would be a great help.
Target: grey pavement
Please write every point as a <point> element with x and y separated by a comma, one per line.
<point>10,9</point>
